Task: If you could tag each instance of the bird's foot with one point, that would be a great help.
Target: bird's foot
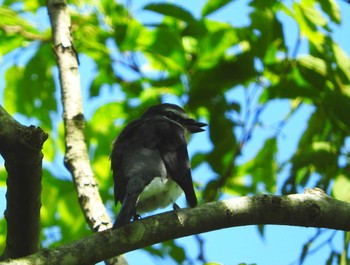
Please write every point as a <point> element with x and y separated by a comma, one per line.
<point>136,217</point>
<point>176,207</point>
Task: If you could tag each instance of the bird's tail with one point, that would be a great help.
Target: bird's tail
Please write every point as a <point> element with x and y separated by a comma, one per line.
<point>191,199</point>
<point>127,211</point>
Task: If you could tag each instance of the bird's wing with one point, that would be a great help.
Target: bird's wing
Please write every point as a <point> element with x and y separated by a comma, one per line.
<point>120,145</point>
<point>135,158</point>
<point>127,211</point>
<point>172,146</point>
<point>132,154</point>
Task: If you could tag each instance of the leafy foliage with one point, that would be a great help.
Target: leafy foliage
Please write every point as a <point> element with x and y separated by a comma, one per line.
<point>201,62</point>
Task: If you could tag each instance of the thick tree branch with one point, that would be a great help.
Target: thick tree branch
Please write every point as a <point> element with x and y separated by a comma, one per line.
<point>76,157</point>
<point>311,209</point>
<point>21,147</point>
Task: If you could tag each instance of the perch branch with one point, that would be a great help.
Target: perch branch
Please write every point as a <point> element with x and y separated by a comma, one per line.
<point>311,209</point>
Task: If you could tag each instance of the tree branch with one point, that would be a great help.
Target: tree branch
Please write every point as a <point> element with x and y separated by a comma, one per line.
<point>21,147</point>
<point>76,157</point>
<point>311,209</point>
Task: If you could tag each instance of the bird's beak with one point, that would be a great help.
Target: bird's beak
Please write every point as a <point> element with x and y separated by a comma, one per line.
<point>194,126</point>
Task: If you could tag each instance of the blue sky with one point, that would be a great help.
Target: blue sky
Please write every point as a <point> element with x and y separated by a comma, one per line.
<point>281,244</point>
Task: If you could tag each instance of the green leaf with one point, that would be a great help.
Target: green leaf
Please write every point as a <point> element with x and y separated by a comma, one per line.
<point>213,5</point>
<point>3,231</point>
<point>176,252</point>
<point>67,213</point>
<point>10,17</point>
<point>17,32</point>
<point>214,45</point>
<point>163,47</point>
<point>12,77</point>
<point>312,14</point>
<point>341,188</point>
<point>33,6</point>
<point>339,115</point>
<point>342,62</point>
<point>88,27</point>
<point>10,43</point>
<point>263,167</point>
<point>37,86</point>
<point>169,248</point>
<point>316,153</point>
<point>293,84</point>
<point>314,70</point>
<point>332,256</point>
<point>49,150</point>
<point>104,77</point>
<point>331,8</point>
<point>198,159</point>
<point>30,91</point>
<point>261,229</point>
<point>220,127</point>
<point>228,72</point>
<point>131,35</point>
<point>171,10</point>
<point>308,18</point>
<point>50,196</point>
<point>314,64</point>
<point>100,133</point>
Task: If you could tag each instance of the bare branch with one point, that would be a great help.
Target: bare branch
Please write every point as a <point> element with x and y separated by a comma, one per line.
<point>311,209</point>
<point>76,157</point>
<point>21,147</point>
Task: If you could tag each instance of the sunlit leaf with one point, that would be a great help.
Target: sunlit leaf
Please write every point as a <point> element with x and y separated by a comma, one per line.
<point>339,115</point>
<point>343,62</point>
<point>215,44</point>
<point>315,64</point>
<point>293,85</point>
<point>30,90</point>
<point>341,188</point>
<point>308,19</point>
<point>49,150</point>
<point>171,9</point>
<point>263,167</point>
<point>227,73</point>
<point>331,8</point>
<point>12,77</point>
<point>213,5</point>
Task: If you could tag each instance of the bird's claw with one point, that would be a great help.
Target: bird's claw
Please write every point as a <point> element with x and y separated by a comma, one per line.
<point>137,217</point>
<point>176,207</point>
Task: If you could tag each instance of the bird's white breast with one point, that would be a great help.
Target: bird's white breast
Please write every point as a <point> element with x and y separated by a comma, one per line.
<point>160,193</point>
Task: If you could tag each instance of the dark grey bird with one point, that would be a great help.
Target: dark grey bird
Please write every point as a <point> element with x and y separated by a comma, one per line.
<point>150,163</point>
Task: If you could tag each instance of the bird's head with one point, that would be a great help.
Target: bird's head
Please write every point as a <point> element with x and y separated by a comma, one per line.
<point>175,114</point>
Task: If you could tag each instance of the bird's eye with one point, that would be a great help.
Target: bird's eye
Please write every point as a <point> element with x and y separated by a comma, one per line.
<point>170,114</point>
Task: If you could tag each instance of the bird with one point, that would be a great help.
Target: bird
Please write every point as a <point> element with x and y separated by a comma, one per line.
<point>150,162</point>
